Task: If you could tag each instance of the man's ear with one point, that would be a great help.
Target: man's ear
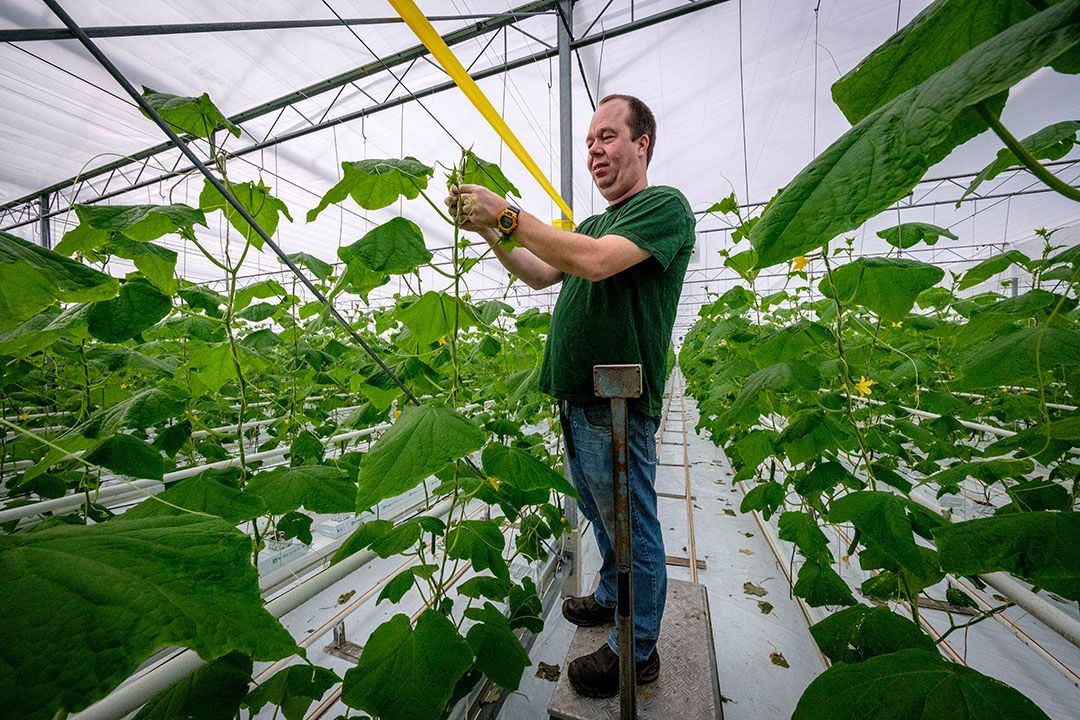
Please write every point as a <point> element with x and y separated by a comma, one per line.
<point>643,142</point>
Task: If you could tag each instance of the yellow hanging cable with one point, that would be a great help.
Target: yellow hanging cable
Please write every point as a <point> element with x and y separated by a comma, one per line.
<point>434,43</point>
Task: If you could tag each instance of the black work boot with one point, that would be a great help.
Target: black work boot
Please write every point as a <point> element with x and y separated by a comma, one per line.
<point>586,612</point>
<point>596,675</point>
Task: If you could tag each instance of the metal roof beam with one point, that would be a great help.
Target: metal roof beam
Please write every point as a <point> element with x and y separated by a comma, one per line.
<point>122,31</point>
<point>333,83</point>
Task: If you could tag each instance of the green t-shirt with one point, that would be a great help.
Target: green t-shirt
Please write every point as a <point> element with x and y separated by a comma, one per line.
<point>627,318</point>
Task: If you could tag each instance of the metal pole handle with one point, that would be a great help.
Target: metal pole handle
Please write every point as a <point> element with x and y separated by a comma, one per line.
<point>619,382</point>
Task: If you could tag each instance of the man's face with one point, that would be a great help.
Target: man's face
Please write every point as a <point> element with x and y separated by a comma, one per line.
<point>616,162</point>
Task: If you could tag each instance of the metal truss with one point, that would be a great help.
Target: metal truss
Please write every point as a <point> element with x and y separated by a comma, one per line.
<point>126,175</point>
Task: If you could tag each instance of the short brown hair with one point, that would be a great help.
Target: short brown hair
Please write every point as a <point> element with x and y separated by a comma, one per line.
<point>641,120</point>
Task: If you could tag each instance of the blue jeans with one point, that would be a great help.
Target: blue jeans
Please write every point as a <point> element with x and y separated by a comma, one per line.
<point>591,470</point>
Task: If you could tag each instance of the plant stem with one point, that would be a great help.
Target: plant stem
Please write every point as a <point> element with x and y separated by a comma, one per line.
<point>1026,158</point>
<point>847,370</point>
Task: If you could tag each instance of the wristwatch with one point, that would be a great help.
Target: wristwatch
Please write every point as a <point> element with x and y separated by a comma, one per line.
<point>508,220</point>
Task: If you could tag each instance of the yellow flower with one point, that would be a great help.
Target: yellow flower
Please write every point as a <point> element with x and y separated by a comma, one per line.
<point>442,340</point>
<point>123,386</point>
<point>397,414</point>
<point>863,386</point>
<point>494,481</point>
<point>799,263</point>
<point>898,324</point>
<point>286,421</point>
<point>24,415</point>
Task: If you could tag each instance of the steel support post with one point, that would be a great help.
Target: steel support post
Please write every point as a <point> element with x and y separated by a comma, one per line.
<point>619,383</point>
<point>43,223</point>
<point>566,103</point>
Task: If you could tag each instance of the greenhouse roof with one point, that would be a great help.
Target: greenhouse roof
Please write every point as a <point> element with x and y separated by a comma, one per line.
<point>741,92</point>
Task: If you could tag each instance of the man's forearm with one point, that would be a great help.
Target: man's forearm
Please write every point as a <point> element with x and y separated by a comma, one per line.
<point>536,273</point>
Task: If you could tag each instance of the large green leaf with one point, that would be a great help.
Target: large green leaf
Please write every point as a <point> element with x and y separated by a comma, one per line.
<point>139,307</point>
<point>793,342</point>
<point>196,116</point>
<point>202,493</point>
<point>802,529</point>
<point>820,585</point>
<point>987,471</point>
<point>374,184</point>
<point>887,286</point>
<point>253,197</point>
<point>1051,143</point>
<point>933,40</point>
<point>913,685</point>
<point>259,290</point>
<point>105,597</point>
<point>991,267</point>
<point>422,440</point>
<point>882,519</point>
<point>140,222</point>
<point>860,633</point>
<point>766,498</point>
<point>477,171</point>
<point>882,158</point>
<point>395,247</point>
<point>906,235</point>
<point>209,367</point>
<point>782,377</point>
<point>292,689</point>
<point>481,542</point>
<point>318,268</point>
<point>142,409</point>
<point>522,470</point>
<point>499,653</point>
<point>407,674</point>
<point>33,278</point>
<point>433,316</point>
<point>157,263</point>
<point>1019,357</point>
<point>43,329</point>
<point>319,488</point>
<point>213,692</point>
<point>1037,546</point>
<point>127,455</point>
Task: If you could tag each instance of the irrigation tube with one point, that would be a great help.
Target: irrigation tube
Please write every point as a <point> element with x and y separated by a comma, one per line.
<point>140,691</point>
<point>152,487</point>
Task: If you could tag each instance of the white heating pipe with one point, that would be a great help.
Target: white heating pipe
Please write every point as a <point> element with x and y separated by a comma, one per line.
<point>152,487</point>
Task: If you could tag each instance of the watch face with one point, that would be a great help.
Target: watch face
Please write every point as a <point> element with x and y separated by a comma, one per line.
<point>506,222</point>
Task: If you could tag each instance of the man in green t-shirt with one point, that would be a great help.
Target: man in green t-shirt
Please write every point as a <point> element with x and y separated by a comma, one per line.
<point>621,273</point>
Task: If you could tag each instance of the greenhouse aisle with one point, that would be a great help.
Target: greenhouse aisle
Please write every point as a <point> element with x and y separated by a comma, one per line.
<point>764,653</point>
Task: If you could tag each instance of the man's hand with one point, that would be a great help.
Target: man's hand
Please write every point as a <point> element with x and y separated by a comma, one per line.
<point>475,207</point>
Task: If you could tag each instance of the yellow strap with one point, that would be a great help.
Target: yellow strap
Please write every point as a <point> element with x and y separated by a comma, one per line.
<point>422,28</point>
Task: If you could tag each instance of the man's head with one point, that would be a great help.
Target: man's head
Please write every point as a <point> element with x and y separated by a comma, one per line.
<point>620,144</point>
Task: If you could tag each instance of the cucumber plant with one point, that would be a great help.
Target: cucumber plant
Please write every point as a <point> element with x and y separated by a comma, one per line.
<point>108,379</point>
<point>865,383</point>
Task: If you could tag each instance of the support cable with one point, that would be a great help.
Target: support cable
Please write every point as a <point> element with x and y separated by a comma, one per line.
<point>220,187</point>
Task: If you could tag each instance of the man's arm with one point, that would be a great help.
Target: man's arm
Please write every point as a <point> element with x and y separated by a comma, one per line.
<point>560,251</point>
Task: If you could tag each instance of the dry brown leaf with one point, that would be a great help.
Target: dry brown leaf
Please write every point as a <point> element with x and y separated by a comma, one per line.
<point>745,551</point>
<point>729,511</point>
<point>751,589</point>
<point>764,607</point>
<point>547,672</point>
<point>345,597</point>
<point>778,659</point>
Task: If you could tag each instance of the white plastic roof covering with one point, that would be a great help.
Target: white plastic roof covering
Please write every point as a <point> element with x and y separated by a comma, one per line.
<point>62,112</point>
